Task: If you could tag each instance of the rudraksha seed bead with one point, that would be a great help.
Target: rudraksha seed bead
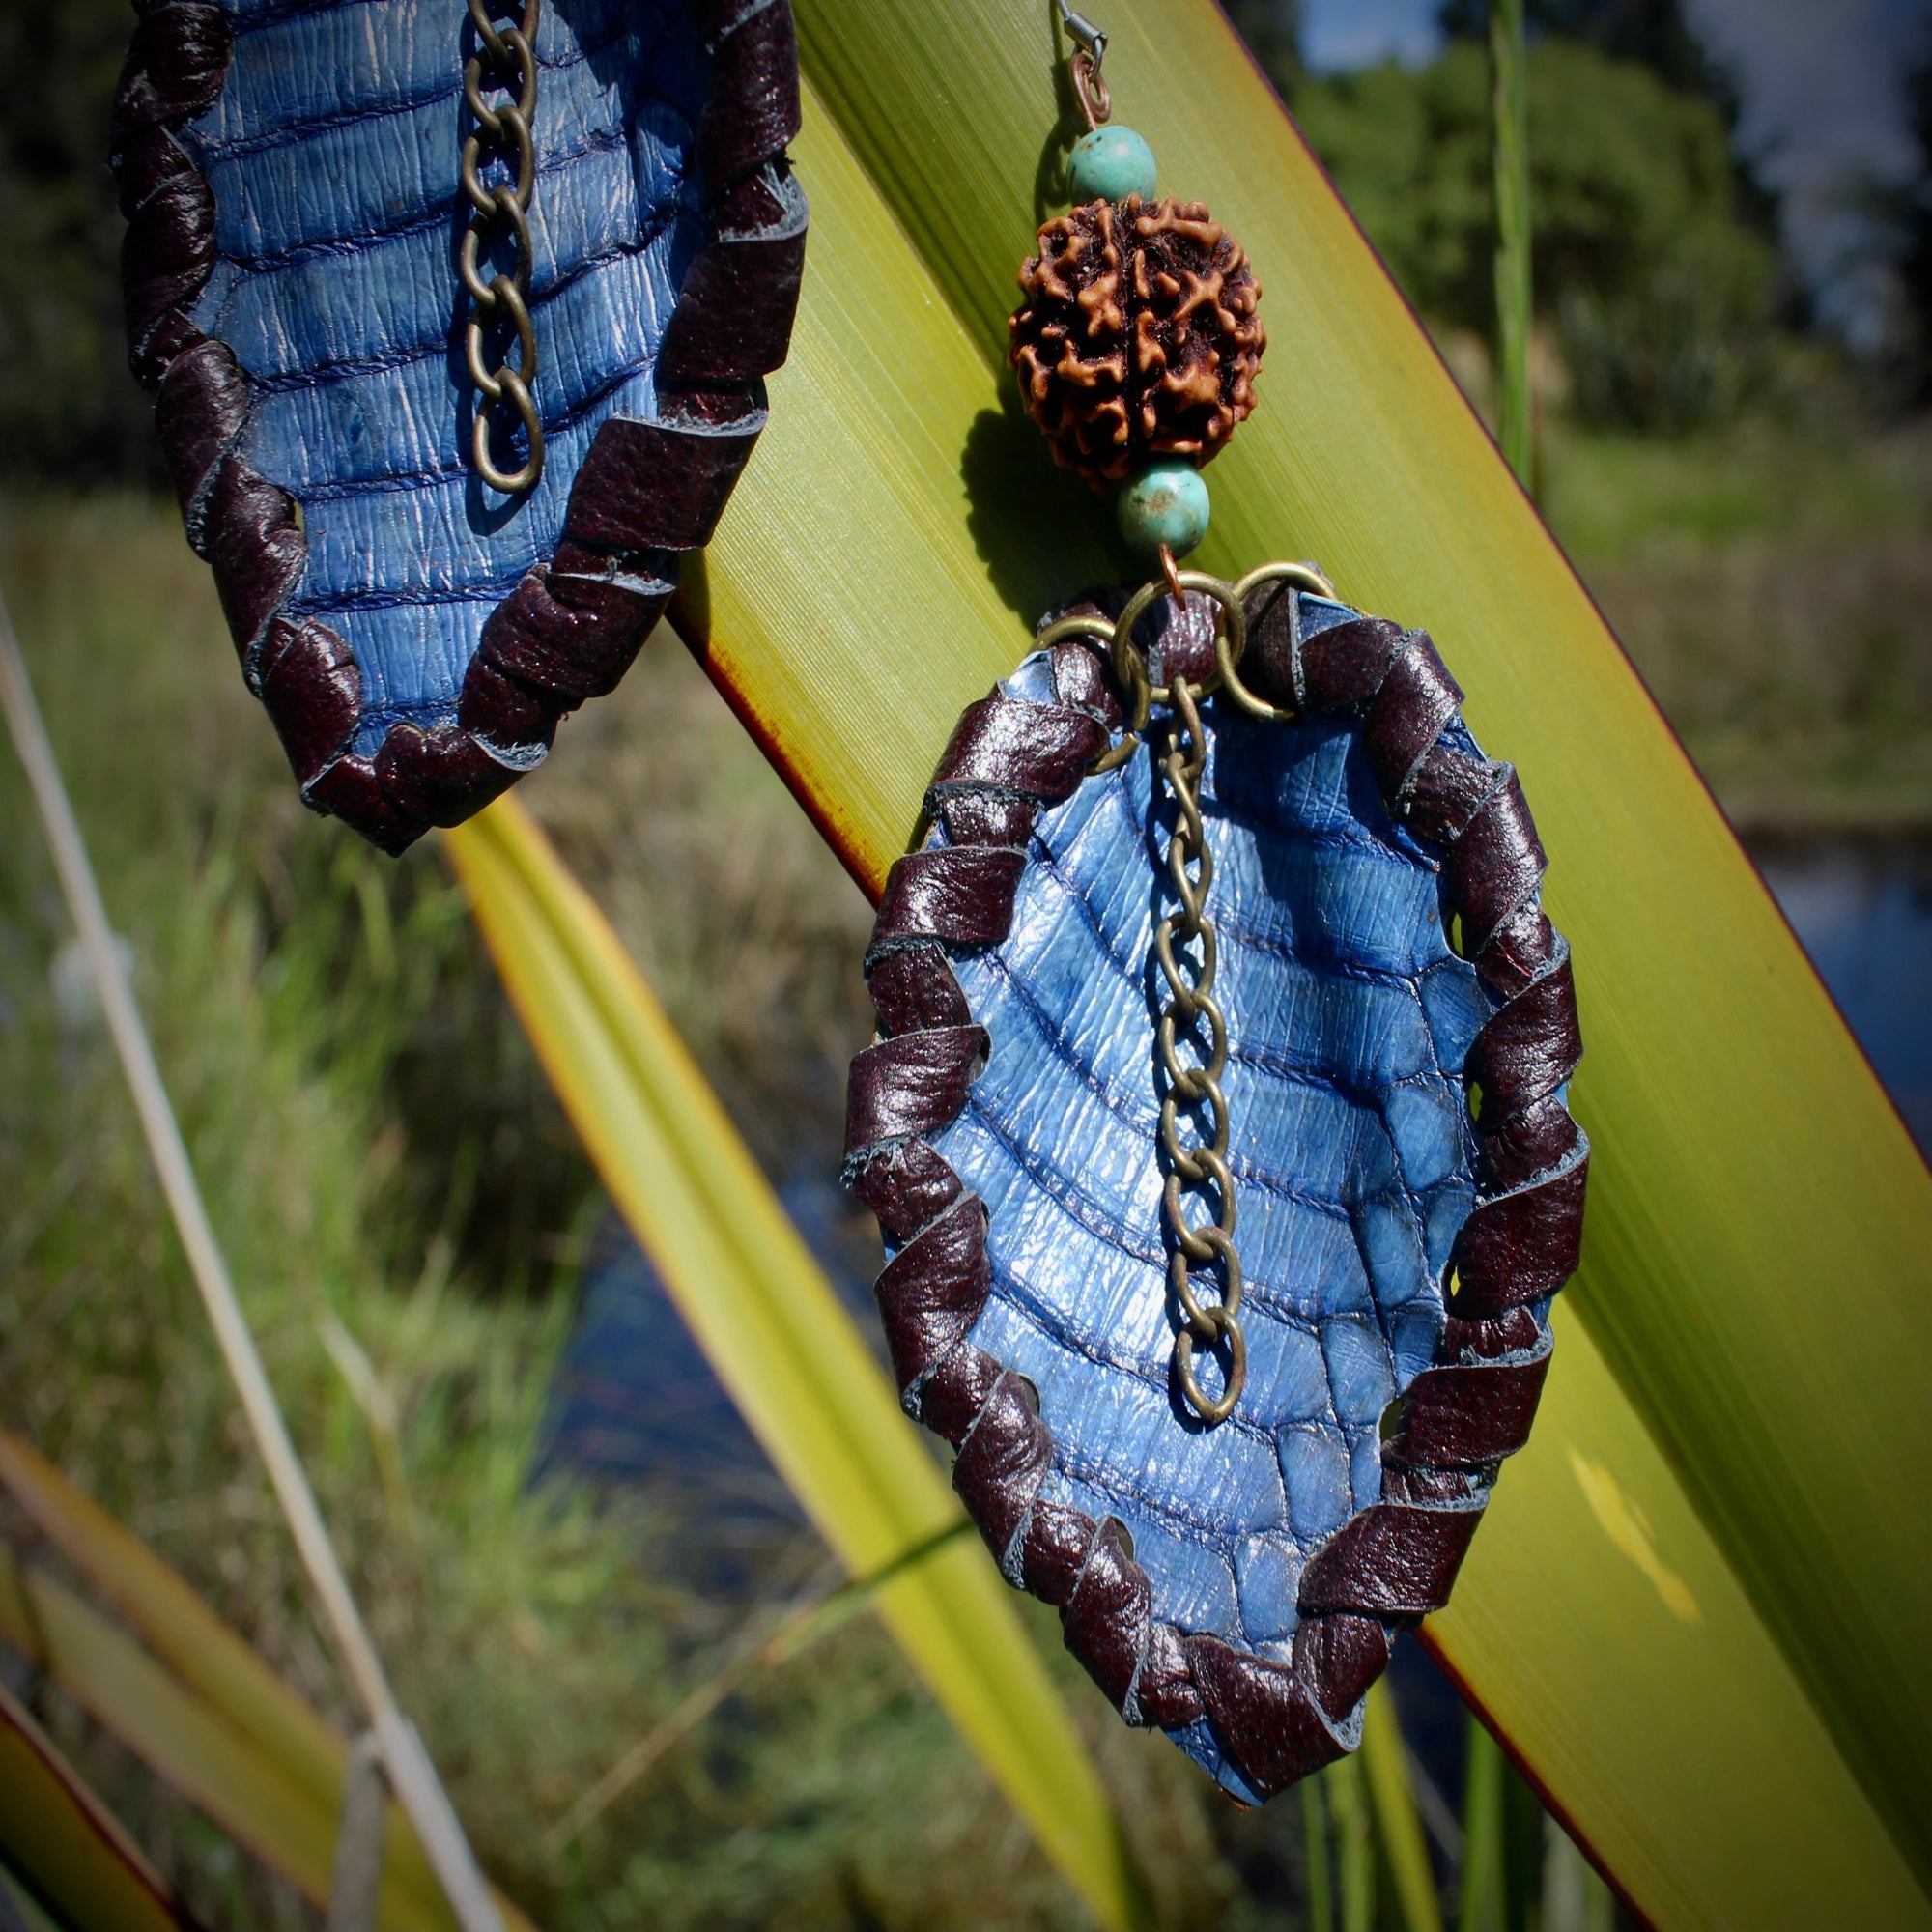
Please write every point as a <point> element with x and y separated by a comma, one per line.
<point>1139,335</point>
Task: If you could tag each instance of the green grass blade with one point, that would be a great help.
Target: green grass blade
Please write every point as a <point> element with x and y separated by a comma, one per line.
<point>176,1736</point>
<point>783,1346</point>
<point>176,1624</point>
<point>1740,1364</point>
<point>794,1634</point>
<point>1509,115</point>
<point>58,1838</point>
<point>210,1719</point>
<point>1354,1844</point>
<point>1397,1823</point>
<point>1315,1840</point>
<point>1525,1832</point>
<point>1481,1906</point>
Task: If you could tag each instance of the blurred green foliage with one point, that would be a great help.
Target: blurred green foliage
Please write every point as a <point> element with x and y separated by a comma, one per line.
<point>1659,293</point>
<point>1899,213</point>
<point>68,406</point>
<point>309,999</point>
<point>1654,263</point>
<point>1272,32</point>
<point>1713,557</point>
<point>1654,33</point>
<point>1915,255</point>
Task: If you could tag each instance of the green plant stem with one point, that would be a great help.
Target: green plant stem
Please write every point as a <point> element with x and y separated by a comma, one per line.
<point>1315,1832</point>
<point>1525,1825</point>
<point>1480,1908</point>
<point>1385,1768</point>
<point>1354,1844</point>
<point>1509,109</point>
<point>1574,1899</point>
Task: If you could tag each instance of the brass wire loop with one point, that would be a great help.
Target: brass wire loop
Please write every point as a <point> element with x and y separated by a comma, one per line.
<point>505,62</point>
<point>1096,102</point>
<point>1303,577</point>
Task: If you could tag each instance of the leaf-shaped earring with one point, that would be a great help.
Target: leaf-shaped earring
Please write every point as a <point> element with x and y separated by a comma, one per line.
<point>457,324</point>
<point>1216,1121</point>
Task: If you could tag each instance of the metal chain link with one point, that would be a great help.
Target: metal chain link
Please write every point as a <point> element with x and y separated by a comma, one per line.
<point>1203,1166</point>
<point>1185,948</point>
<point>500,304</point>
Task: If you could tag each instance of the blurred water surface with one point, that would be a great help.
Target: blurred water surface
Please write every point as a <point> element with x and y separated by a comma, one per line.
<point>1864,912</point>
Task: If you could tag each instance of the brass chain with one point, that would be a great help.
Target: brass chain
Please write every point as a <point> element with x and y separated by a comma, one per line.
<point>1186,947</point>
<point>506,60</point>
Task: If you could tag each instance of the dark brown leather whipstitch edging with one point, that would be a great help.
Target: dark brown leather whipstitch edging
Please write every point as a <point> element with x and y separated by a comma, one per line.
<point>1394,1561</point>
<point>570,627</point>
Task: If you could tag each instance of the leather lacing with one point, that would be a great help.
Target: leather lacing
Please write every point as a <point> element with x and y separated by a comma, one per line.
<point>645,491</point>
<point>1393,1562</point>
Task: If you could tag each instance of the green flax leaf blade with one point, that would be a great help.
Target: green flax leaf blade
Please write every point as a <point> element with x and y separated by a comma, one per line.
<point>1742,1357</point>
<point>782,1346</point>
<point>58,1837</point>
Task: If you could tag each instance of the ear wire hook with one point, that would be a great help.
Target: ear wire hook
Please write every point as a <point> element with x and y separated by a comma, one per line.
<point>1084,34</point>
<point>1090,50</point>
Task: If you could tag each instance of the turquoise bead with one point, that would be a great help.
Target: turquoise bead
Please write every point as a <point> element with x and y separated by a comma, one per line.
<point>1109,164</point>
<point>1165,504</point>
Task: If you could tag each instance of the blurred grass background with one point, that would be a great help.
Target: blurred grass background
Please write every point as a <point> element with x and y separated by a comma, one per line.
<point>406,1213</point>
<point>403,1203</point>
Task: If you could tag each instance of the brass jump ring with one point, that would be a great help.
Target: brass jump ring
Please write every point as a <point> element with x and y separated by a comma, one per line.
<point>1303,577</point>
<point>1096,102</point>
<point>1231,623</point>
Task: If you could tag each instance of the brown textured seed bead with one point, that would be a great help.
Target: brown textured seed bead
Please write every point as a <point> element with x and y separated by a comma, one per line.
<point>1139,335</point>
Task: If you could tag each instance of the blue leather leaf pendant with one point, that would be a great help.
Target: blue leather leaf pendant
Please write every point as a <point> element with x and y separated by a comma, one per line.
<point>415,611</point>
<point>1380,956</point>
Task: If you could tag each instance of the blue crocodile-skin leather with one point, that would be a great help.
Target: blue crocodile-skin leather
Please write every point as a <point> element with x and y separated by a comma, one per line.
<point>332,154</point>
<point>1349,1018</point>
